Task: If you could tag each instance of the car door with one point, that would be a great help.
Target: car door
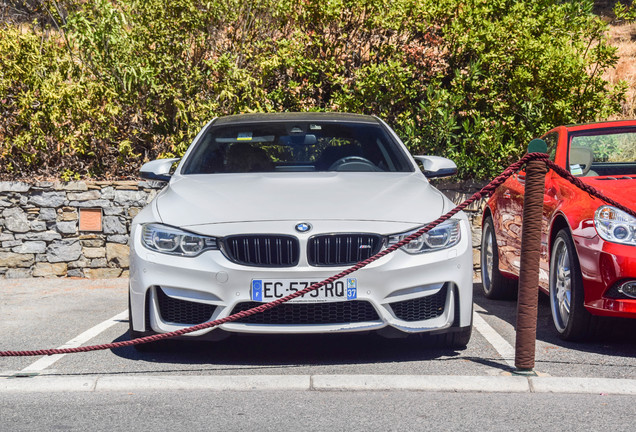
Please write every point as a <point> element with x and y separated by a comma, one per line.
<point>510,208</point>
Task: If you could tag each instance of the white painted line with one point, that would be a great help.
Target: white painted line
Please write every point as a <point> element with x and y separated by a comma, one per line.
<point>77,341</point>
<point>505,350</point>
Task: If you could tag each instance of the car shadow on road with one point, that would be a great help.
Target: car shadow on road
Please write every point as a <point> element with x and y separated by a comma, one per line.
<point>292,350</point>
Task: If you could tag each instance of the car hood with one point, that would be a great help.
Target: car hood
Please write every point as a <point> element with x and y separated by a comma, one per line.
<point>222,198</point>
<point>615,188</point>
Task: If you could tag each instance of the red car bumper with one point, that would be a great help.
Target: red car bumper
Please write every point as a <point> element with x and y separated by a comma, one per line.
<point>605,266</point>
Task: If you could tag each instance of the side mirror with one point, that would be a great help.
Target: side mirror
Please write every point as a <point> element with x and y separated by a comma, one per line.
<point>158,170</point>
<point>436,166</point>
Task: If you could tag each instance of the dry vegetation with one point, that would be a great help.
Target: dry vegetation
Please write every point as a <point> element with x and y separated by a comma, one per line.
<point>623,36</point>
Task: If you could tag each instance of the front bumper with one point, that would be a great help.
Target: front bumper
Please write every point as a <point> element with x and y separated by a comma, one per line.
<point>408,293</point>
<point>604,267</point>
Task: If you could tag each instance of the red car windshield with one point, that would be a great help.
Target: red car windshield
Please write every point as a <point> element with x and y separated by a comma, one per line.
<point>603,152</point>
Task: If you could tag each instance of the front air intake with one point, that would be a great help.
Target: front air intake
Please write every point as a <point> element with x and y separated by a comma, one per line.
<point>311,313</point>
<point>179,311</point>
<point>421,308</point>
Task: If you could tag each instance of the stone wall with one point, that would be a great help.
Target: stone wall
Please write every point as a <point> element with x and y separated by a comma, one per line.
<point>40,232</point>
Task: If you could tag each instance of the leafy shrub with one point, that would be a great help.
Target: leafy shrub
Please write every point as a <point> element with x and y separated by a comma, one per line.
<point>517,69</point>
<point>50,117</point>
<point>624,12</point>
<point>93,89</point>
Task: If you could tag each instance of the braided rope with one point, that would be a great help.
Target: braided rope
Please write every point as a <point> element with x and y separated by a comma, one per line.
<point>482,193</point>
<point>588,188</point>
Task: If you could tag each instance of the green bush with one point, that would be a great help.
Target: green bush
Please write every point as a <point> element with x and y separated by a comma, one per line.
<point>94,89</point>
<point>517,69</point>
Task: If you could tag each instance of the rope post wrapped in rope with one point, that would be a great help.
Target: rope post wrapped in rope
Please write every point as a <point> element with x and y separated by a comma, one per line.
<point>527,303</point>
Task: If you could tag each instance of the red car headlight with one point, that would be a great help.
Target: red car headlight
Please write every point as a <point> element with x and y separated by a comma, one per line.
<point>615,225</point>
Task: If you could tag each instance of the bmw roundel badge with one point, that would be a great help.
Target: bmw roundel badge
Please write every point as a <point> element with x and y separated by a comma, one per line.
<point>303,227</point>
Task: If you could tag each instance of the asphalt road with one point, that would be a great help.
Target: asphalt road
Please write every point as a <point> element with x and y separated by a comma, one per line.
<point>314,411</point>
<point>309,383</point>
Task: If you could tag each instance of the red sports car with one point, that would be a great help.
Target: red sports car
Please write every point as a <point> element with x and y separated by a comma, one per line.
<point>588,248</point>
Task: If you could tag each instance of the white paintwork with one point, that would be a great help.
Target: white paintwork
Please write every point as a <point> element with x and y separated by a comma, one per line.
<point>224,198</point>
<point>436,164</point>
<point>159,166</point>
<point>377,202</point>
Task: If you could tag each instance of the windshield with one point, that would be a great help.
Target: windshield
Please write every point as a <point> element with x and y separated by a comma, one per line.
<point>296,146</point>
<point>603,152</point>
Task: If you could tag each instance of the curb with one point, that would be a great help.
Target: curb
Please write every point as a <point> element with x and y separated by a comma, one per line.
<point>437,383</point>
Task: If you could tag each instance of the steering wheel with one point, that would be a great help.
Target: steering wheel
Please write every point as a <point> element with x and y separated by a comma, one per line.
<point>353,163</point>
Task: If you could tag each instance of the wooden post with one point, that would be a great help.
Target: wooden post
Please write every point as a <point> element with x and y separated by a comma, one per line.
<point>530,254</point>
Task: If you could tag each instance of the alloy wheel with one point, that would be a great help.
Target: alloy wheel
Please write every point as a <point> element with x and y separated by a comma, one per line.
<point>561,286</point>
<point>487,258</point>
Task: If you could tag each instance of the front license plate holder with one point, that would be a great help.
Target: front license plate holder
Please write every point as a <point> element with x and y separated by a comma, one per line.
<point>267,290</point>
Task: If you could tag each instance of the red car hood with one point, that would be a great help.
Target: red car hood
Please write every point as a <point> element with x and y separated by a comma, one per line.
<point>620,189</point>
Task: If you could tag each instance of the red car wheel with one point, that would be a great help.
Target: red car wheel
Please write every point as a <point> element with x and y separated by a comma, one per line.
<point>495,285</point>
<point>570,318</point>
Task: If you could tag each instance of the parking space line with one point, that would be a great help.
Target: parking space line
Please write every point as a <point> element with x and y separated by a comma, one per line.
<point>77,341</point>
<point>505,350</point>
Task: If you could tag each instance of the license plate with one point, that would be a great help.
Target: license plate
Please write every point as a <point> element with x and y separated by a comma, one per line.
<point>266,290</point>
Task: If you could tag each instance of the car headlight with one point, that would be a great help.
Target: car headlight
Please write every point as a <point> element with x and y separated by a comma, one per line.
<point>443,236</point>
<point>169,240</point>
<point>615,225</point>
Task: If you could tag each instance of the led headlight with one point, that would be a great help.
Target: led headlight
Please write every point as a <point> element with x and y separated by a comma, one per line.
<point>615,225</point>
<point>443,236</point>
<point>169,240</point>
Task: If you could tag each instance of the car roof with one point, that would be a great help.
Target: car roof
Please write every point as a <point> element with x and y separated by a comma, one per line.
<point>296,116</point>
<point>600,125</point>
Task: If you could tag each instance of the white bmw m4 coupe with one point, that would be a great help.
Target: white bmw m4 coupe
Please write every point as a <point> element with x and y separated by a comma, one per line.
<point>263,205</point>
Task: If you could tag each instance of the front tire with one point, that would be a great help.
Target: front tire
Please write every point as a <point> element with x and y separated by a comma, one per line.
<point>457,340</point>
<point>495,285</point>
<point>569,316</point>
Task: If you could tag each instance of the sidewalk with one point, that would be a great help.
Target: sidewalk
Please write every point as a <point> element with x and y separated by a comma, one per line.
<point>457,384</point>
